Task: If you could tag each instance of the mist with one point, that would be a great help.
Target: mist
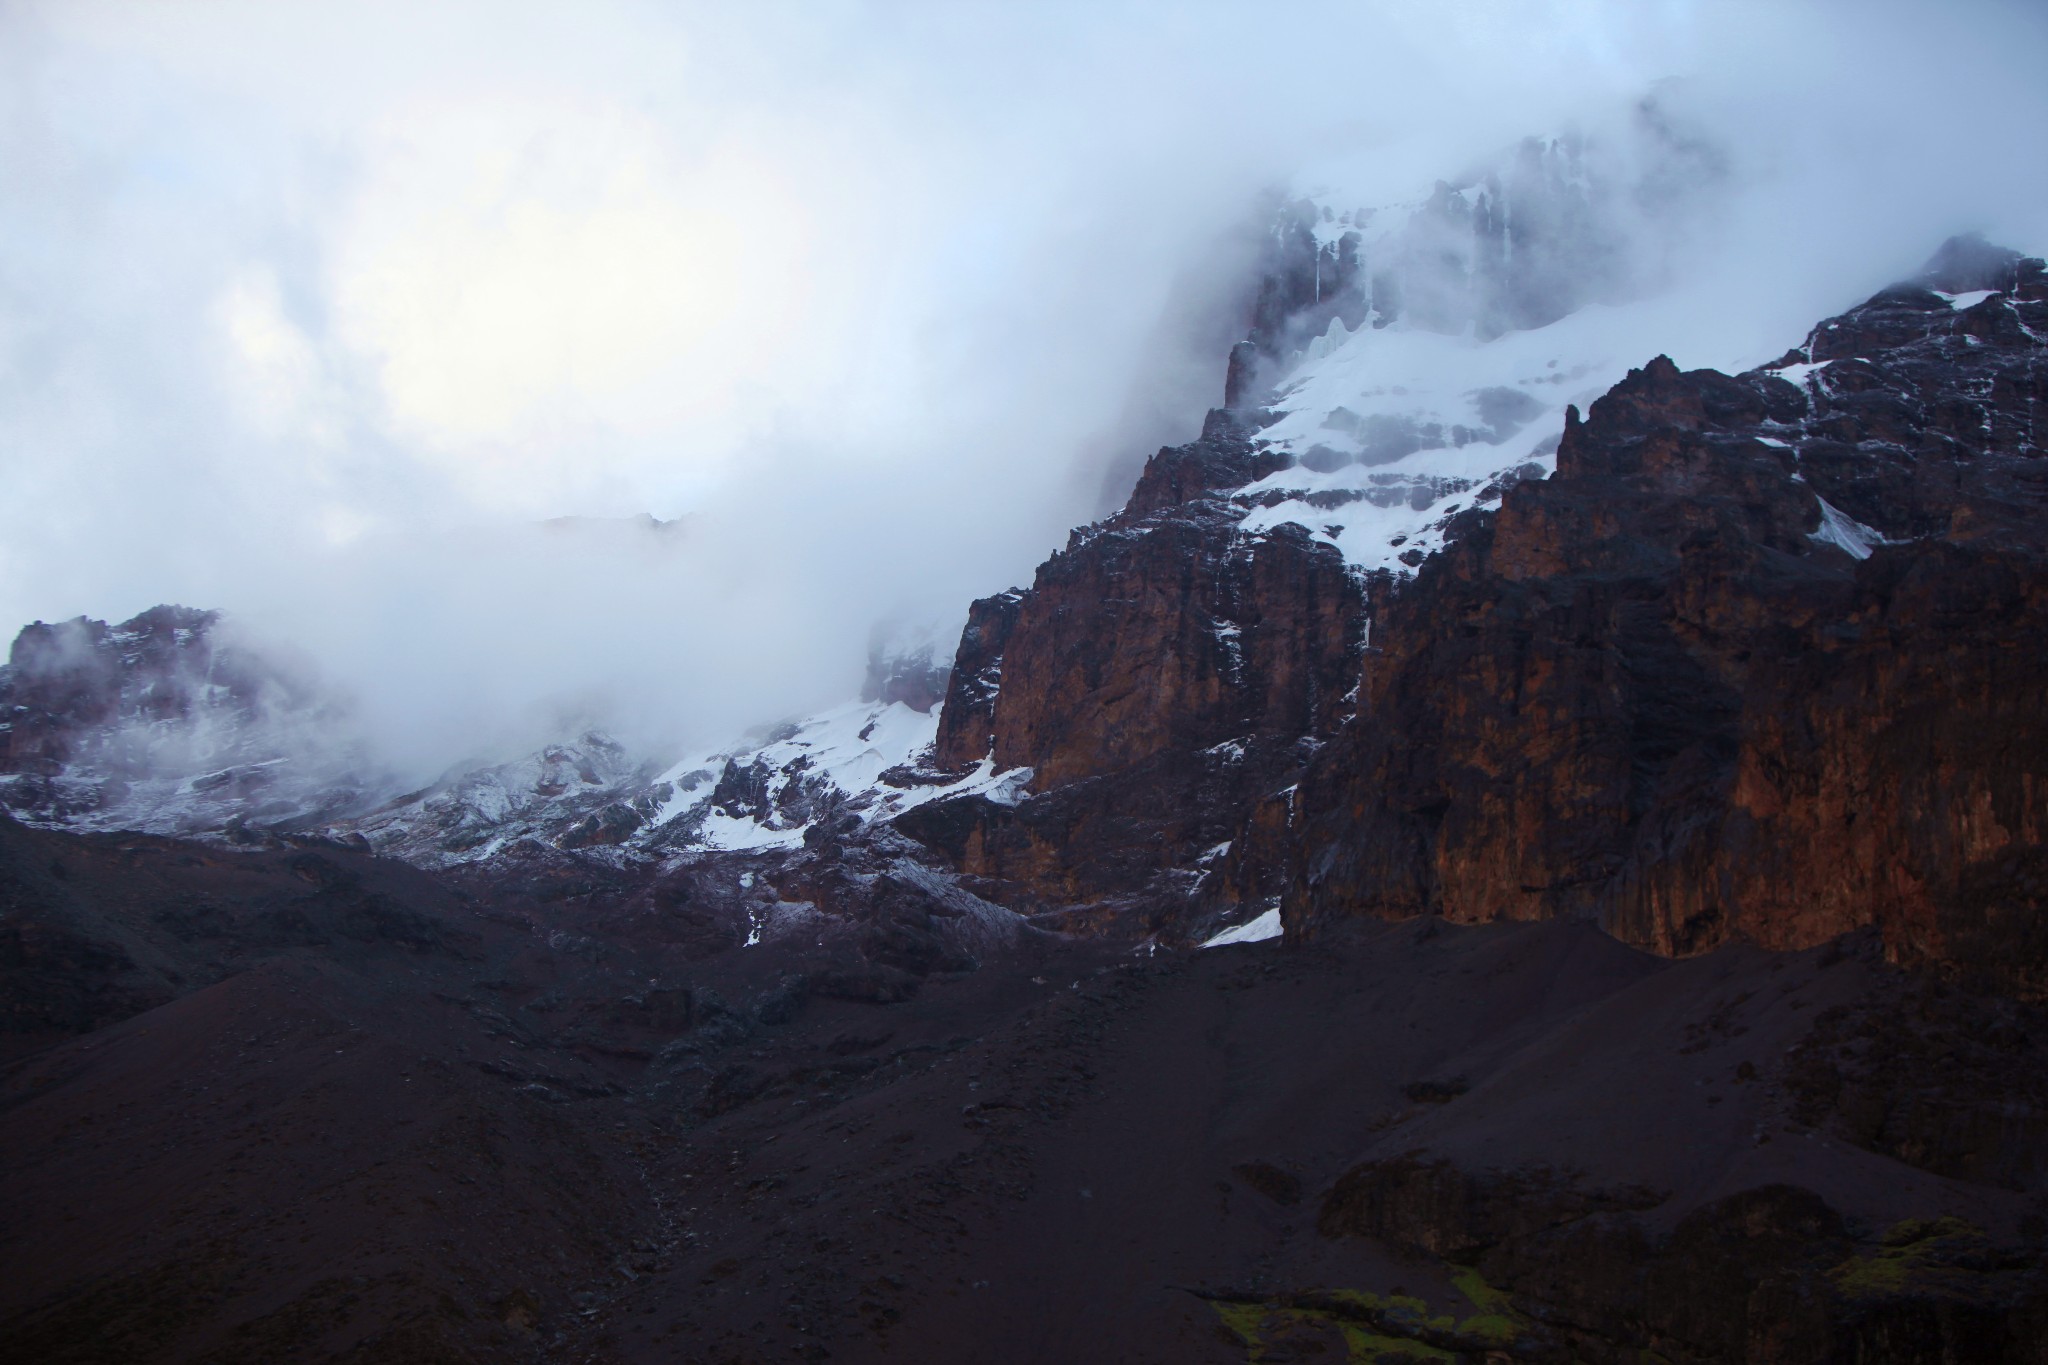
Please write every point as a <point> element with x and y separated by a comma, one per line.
<point>316,317</point>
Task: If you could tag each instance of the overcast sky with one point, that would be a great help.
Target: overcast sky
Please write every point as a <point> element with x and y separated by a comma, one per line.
<point>307,312</point>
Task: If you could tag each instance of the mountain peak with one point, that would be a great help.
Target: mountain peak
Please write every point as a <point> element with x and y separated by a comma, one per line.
<point>1967,263</point>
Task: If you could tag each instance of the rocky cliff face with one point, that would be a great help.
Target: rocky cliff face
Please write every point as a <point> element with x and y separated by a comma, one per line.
<point>1758,662</point>
<point>1160,670</point>
<point>1755,663</point>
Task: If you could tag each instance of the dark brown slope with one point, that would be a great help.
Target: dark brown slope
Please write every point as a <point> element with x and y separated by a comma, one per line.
<point>1564,1148</point>
<point>376,1121</point>
<point>298,1102</point>
<point>294,1165</point>
<point>312,1111</point>
<point>1645,694</point>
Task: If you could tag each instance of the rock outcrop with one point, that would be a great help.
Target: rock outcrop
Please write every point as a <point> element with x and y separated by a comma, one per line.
<point>912,671</point>
<point>1761,661</point>
<point>1159,672</point>
<point>1772,1275</point>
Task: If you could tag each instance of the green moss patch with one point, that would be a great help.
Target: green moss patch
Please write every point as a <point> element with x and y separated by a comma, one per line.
<point>1378,1329</point>
<point>1941,1257</point>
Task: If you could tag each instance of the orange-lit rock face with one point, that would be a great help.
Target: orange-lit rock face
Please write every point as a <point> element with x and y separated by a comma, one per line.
<point>1656,692</point>
<point>1160,673</point>
<point>1176,636</point>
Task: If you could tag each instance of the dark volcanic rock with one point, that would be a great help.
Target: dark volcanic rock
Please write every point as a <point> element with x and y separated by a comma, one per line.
<point>1174,635</point>
<point>1661,691</point>
<point>1224,458</point>
<point>967,724</point>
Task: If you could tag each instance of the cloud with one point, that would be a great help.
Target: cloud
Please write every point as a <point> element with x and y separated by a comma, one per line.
<point>309,313</point>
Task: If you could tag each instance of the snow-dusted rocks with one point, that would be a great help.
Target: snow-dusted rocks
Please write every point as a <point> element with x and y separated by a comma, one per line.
<point>160,723</point>
<point>155,726</point>
<point>859,762</point>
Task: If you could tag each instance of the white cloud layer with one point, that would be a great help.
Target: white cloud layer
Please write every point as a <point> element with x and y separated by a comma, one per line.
<point>306,312</point>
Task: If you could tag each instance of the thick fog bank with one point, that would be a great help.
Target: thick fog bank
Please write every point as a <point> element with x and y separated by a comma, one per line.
<point>316,317</point>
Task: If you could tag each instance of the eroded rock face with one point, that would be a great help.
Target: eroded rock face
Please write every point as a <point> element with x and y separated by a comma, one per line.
<point>1762,659</point>
<point>967,719</point>
<point>1160,671</point>
<point>1173,636</point>
<point>1756,663</point>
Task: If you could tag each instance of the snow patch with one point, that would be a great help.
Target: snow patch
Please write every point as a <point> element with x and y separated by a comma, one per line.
<point>1797,374</point>
<point>1391,431</point>
<point>1266,926</point>
<point>1839,528</point>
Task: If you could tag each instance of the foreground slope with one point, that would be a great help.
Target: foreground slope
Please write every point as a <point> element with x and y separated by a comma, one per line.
<point>371,1120</point>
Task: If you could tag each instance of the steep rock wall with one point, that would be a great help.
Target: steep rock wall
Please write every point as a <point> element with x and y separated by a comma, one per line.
<point>1662,691</point>
<point>1160,672</point>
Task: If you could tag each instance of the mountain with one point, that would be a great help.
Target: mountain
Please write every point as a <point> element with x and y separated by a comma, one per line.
<point>1490,304</point>
<point>1608,795</point>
